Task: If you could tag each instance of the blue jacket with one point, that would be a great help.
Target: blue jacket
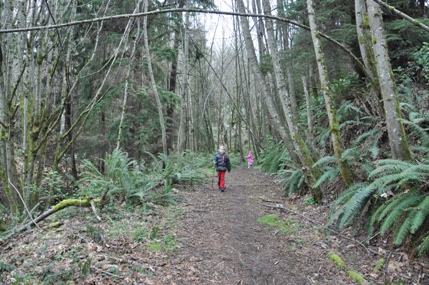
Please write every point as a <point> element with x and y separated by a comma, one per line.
<point>222,162</point>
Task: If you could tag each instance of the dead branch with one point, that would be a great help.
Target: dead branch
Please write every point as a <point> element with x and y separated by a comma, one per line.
<point>403,15</point>
<point>94,210</point>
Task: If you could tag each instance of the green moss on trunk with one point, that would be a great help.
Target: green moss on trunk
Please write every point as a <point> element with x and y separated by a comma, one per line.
<point>73,202</point>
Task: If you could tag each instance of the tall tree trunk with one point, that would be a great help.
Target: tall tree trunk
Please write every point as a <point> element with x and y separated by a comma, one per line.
<point>398,141</point>
<point>172,83</point>
<point>365,47</point>
<point>127,78</point>
<point>311,174</point>
<point>328,96</point>
<point>8,61</point>
<point>181,137</point>
<point>274,116</point>
<point>154,87</point>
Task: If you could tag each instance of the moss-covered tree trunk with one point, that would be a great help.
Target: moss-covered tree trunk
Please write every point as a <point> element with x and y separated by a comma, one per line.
<point>365,46</point>
<point>311,174</point>
<point>398,141</point>
<point>328,96</point>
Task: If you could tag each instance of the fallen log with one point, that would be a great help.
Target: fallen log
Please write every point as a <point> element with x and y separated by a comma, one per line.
<point>58,207</point>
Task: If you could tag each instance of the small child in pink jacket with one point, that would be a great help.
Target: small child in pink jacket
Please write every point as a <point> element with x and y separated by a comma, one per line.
<point>249,159</point>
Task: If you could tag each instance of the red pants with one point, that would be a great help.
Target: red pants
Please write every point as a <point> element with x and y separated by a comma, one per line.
<point>221,179</point>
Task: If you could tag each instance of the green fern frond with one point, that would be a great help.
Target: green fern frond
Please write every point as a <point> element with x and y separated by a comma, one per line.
<point>411,176</point>
<point>392,217</point>
<point>350,200</point>
<point>324,135</point>
<point>325,161</point>
<point>353,123</point>
<point>350,108</point>
<point>375,216</point>
<point>370,119</point>
<point>421,149</point>
<point>417,131</point>
<point>415,218</point>
<point>397,173</point>
<point>349,153</point>
<point>365,135</point>
<point>347,194</point>
<point>420,215</point>
<point>387,207</point>
<point>423,247</point>
<point>354,206</point>
<point>292,180</point>
<point>329,174</point>
<point>407,107</point>
<point>374,150</point>
<point>389,166</point>
<point>403,231</point>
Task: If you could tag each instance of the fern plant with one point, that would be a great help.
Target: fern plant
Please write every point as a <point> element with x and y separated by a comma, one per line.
<point>292,180</point>
<point>137,183</point>
<point>407,211</point>
<point>274,158</point>
<point>329,167</point>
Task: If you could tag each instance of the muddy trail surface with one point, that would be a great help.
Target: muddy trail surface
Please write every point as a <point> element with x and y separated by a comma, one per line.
<point>249,234</point>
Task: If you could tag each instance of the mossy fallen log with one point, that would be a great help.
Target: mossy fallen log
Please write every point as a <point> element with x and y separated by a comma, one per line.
<point>337,260</point>
<point>355,276</point>
<point>58,207</point>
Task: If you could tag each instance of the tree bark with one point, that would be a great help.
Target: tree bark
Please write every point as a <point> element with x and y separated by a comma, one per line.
<point>181,139</point>
<point>398,141</point>
<point>329,97</point>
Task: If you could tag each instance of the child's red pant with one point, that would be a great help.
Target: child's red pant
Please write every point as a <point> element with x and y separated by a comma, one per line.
<point>221,179</point>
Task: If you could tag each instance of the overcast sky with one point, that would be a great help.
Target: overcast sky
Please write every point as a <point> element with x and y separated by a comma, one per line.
<point>219,27</point>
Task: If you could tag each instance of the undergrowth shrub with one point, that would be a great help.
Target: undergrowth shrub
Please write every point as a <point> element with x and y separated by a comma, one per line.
<point>274,158</point>
<point>136,183</point>
<point>276,161</point>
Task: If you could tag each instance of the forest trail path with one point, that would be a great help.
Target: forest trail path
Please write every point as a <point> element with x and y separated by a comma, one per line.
<point>223,242</point>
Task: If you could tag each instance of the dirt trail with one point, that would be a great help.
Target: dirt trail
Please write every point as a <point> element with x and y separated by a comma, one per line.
<point>226,244</point>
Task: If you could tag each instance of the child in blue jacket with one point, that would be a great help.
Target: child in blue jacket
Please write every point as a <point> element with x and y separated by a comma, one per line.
<point>222,163</point>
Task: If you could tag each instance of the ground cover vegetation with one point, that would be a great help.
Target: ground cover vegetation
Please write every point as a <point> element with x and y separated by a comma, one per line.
<point>331,96</point>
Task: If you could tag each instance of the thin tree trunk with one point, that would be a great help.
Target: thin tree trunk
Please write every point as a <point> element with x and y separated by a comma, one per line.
<point>127,79</point>
<point>310,131</point>
<point>274,117</point>
<point>328,96</point>
<point>398,141</point>
<point>181,139</point>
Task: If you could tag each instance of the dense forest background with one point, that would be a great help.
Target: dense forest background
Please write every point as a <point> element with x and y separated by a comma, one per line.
<point>104,97</point>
